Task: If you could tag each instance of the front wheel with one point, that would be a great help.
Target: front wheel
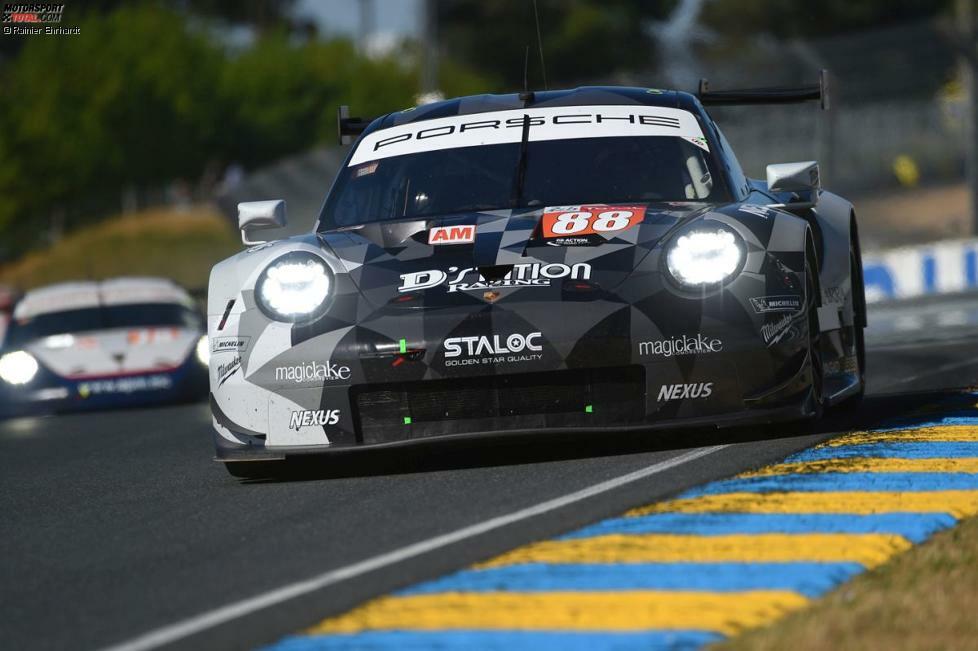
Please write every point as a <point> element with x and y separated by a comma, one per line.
<point>858,334</point>
<point>814,335</point>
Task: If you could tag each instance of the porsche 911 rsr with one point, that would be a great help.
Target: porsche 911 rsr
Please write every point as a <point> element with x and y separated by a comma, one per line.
<point>92,345</point>
<point>591,259</point>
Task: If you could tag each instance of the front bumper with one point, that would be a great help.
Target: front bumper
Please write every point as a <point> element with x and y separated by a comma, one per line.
<point>602,400</point>
<point>633,359</point>
<point>49,393</point>
<point>257,451</point>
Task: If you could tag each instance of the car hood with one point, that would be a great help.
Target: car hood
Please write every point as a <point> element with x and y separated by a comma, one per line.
<point>107,353</point>
<point>393,264</point>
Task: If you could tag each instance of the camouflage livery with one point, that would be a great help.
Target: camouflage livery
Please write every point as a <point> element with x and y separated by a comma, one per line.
<point>506,330</point>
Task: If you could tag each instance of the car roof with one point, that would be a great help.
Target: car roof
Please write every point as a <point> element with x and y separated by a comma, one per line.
<point>92,293</point>
<point>582,96</point>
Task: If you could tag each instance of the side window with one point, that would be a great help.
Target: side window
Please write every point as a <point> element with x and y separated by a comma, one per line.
<point>737,177</point>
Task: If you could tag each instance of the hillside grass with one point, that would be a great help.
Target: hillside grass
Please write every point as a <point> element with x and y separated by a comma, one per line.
<point>181,245</point>
<point>926,598</point>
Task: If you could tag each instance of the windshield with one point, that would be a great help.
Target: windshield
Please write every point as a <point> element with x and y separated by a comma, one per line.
<point>423,178</point>
<point>106,317</point>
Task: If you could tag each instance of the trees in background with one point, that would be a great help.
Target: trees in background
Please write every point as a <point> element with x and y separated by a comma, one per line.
<point>582,39</point>
<point>156,91</point>
<point>146,94</point>
<point>129,101</point>
<point>793,19</point>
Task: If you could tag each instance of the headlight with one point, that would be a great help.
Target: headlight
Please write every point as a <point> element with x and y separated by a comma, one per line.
<point>704,256</point>
<point>18,367</point>
<point>203,351</point>
<point>294,287</point>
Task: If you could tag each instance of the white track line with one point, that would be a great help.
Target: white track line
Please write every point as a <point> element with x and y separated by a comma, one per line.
<point>192,625</point>
<point>944,368</point>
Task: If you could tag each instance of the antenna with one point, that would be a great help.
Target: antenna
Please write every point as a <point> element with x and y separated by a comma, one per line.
<point>526,95</point>
<point>543,64</point>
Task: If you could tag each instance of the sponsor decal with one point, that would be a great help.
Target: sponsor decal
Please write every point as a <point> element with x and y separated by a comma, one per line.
<point>225,371</point>
<point>452,235</point>
<point>698,345</point>
<point>57,342</point>
<point>685,391</point>
<point>775,331</point>
<point>147,336</point>
<point>788,277</point>
<point>313,372</point>
<point>229,344</point>
<point>125,385</point>
<point>571,221</point>
<point>763,304</point>
<point>365,170</point>
<point>469,279</point>
<point>576,241</point>
<point>698,141</point>
<point>313,418</point>
<point>846,365</point>
<point>834,296</point>
<point>545,123</point>
<point>55,393</point>
<point>754,209</point>
<point>463,351</point>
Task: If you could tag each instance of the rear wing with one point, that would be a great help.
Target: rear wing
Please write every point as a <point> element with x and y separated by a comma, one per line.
<point>774,95</point>
<point>349,128</point>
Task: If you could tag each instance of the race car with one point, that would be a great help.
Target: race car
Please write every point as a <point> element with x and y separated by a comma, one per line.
<point>590,260</point>
<point>100,344</point>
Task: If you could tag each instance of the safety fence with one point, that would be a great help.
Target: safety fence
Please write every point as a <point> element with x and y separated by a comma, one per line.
<point>908,272</point>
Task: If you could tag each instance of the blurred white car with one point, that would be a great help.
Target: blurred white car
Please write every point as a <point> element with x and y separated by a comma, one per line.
<point>119,342</point>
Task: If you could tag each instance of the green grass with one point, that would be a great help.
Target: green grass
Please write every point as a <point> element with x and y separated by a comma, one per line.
<point>179,245</point>
<point>926,598</point>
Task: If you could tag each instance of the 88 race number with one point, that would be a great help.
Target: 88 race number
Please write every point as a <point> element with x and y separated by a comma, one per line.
<point>571,221</point>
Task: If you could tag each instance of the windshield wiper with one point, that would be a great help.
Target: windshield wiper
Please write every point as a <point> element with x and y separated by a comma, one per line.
<point>520,179</point>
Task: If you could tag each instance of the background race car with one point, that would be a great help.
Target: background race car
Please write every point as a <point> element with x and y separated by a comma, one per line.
<point>84,345</point>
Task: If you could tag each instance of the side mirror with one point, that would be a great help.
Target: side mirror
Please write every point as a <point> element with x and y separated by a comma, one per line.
<point>801,178</point>
<point>258,216</point>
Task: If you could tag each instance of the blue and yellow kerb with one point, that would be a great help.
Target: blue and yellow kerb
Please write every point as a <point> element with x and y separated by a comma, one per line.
<point>717,560</point>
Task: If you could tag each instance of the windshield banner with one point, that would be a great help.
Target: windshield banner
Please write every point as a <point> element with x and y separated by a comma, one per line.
<point>503,127</point>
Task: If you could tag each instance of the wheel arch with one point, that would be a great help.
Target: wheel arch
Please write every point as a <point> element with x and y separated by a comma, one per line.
<point>858,286</point>
<point>835,222</point>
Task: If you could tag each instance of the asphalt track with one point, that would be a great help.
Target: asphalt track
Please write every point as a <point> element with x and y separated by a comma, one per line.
<point>117,525</point>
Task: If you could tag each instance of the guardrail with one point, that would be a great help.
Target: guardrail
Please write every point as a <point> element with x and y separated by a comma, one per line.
<point>907,272</point>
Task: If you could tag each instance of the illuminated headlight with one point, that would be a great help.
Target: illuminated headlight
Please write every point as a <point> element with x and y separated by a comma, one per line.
<point>18,367</point>
<point>203,351</point>
<point>703,257</point>
<point>295,287</point>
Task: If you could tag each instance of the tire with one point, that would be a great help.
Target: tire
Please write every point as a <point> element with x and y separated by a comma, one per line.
<point>255,469</point>
<point>814,334</point>
<point>859,336</point>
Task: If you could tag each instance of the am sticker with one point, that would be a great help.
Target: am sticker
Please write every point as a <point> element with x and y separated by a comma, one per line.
<point>452,234</point>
